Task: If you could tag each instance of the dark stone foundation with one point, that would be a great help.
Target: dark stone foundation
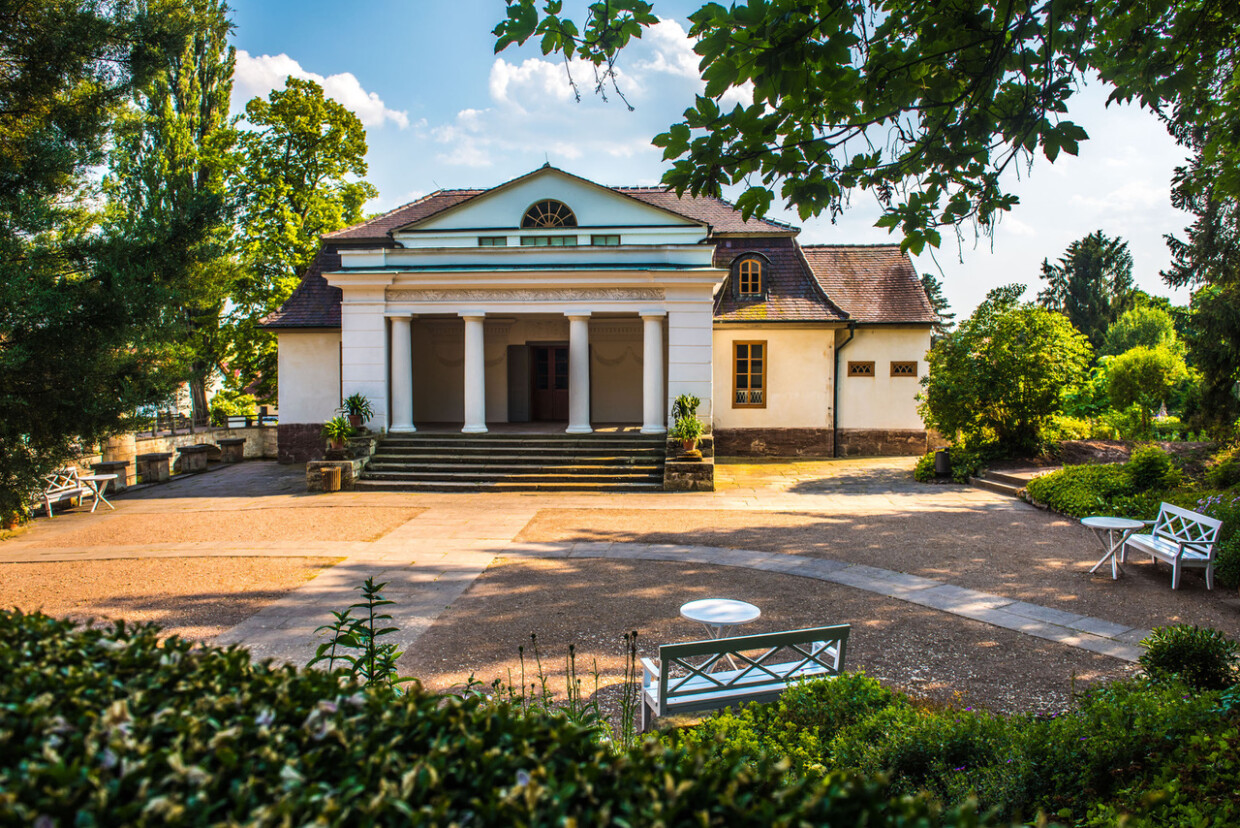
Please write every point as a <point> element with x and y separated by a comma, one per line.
<point>773,442</point>
<point>883,442</point>
<point>299,442</point>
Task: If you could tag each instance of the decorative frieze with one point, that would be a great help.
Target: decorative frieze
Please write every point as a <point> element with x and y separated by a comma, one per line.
<point>525,295</point>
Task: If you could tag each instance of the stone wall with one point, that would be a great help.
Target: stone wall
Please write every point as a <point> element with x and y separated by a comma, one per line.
<point>260,443</point>
<point>882,442</point>
<point>773,442</point>
<point>300,442</point>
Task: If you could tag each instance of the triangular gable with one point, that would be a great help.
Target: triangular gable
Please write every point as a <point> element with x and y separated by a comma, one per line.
<point>593,204</point>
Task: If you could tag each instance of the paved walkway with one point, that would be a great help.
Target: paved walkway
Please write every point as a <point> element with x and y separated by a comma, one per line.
<point>431,559</point>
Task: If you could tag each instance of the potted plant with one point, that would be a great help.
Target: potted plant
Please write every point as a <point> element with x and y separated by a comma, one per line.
<point>337,432</point>
<point>686,427</point>
<point>358,409</point>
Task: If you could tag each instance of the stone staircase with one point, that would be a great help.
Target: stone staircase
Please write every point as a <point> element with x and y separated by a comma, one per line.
<point>516,462</point>
<point>1008,482</point>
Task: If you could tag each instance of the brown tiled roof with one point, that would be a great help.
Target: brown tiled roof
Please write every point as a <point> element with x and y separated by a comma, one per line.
<point>790,292</point>
<point>315,304</point>
<point>872,283</point>
<point>719,214</point>
<point>379,227</point>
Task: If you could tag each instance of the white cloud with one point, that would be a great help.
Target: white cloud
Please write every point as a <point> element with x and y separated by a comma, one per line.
<point>673,51</point>
<point>257,76</point>
<point>533,80</point>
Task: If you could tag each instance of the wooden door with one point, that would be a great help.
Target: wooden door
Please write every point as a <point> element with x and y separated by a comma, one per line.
<point>549,383</point>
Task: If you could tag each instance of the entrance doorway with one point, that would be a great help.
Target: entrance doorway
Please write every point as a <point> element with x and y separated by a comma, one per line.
<point>549,382</point>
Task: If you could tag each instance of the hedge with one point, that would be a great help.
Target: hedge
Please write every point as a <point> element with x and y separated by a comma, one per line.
<point>113,726</point>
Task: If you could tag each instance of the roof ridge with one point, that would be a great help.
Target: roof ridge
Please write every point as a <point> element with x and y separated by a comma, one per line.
<point>851,246</point>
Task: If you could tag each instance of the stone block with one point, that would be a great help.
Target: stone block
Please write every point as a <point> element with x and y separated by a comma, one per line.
<point>154,467</point>
<point>120,468</point>
<point>689,476</point>
<point>881,442</point>
<point>191,459</point>
<point>232,449</point>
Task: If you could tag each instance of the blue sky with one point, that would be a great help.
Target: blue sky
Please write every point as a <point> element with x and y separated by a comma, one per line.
<point>442,110</point>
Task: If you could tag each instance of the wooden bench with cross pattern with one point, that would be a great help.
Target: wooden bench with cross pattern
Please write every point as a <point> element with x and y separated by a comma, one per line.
<point>1181,538</point>
<point>685,681</point>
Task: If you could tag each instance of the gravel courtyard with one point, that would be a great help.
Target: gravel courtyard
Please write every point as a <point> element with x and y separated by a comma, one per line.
<point>245,555</point>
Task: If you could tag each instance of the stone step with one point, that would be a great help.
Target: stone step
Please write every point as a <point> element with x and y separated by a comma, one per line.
<point>406,475</point>
<point>504,486</point>
<point>470,448</point>
<point>492,458</point>
<point>511,468</point>
<point>996,486</point>
<point>523,444</point>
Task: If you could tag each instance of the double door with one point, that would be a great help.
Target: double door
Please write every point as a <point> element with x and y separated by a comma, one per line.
<point>549,383</point>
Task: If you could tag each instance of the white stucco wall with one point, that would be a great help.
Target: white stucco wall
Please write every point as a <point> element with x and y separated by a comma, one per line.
<point>882,401</point>
<point>798,377</point>
<point>309,376</point>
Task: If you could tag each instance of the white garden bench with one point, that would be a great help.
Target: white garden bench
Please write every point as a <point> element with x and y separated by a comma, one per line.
<point>62,484</point>
<point>685,681</point>
<point>1181,538</point>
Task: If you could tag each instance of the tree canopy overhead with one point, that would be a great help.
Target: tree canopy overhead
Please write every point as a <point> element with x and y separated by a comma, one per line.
<point>925,105</point>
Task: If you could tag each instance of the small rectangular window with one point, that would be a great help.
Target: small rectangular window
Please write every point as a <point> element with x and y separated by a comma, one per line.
<point>904,369</point>
<point>605,241</point>
<point>749,374</point>
<point>861,369</point>
<point>492,241</point>
<point>548,241</point>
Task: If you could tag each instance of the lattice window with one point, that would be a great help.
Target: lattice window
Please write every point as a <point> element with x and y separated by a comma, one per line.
<point>610,240</point>
<point>749,375</point>
<point>749,277</point>
<point>861,369</point>
<point>548,241</point>
<point>549,214</point>
<point>904,369</point>
<point>492,241</point>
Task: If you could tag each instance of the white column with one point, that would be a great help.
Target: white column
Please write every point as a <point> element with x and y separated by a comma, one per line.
<point>654,417</point>
<point>475,374</point>
<point>402,375</point>
<point>578,373</point>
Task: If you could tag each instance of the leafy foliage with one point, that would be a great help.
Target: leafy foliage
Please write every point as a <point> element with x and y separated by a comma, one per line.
<point>228,403</point>
<point>1202,658</point>
<point>355,640</point>
<point>1149,467</point>
<point>1145,377</point>
<point>337,430</point>
<point>357,405</point>
<point>685,422</point>
<point>1002,375</point>
<point>1014,766</point>
<point>297,177</point>
<point>1091,284</point>
<point>113,725</point>
<point>171,157</point>
<point>1078,491</point>
<point>88,332</point>
<point>1224,470</point>
<point>1144,325</point>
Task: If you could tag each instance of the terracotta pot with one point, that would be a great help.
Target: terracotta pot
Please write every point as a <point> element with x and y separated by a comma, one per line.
<point>355,420</point>
<point>689,445</point>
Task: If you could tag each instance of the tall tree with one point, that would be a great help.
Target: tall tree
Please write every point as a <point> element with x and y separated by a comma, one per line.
<point>171,157</point>
<point>1091,284</point>
<point>925,105</point>
<point>298,176</point>
<point>938,301</point>
<point>86,321</point>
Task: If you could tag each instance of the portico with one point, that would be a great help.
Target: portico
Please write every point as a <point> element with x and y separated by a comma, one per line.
<point>577,367</point>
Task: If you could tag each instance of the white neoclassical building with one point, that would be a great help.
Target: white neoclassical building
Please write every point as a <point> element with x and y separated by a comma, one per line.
<point>552,299</point>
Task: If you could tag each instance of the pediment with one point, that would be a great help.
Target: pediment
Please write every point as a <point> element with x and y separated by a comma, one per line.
<point>593,205</point>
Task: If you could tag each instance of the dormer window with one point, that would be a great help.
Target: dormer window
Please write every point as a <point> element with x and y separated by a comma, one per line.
<point>549,214</point>
<point>750,276</point>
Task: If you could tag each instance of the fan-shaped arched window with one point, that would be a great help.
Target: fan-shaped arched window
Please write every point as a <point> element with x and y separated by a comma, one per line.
<point>750,274</point>
<point>549,213</point>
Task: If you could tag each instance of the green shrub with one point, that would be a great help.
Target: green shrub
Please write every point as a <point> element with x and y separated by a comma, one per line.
<point>1224,470</point>
<point>1227,562</point>
<point>112,726</point>
<point>1063,427</point>
<point>228,403</point>
<point>1200,657</point>
<point>1195,786</point>
<point>1224,506</point>
<point>1149,467</point>
<point>1081,490</point>
<point>923,472</point>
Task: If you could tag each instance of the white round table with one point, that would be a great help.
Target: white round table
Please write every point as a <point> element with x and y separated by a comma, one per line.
<point>720,615</point>
<point>1112,532</point>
